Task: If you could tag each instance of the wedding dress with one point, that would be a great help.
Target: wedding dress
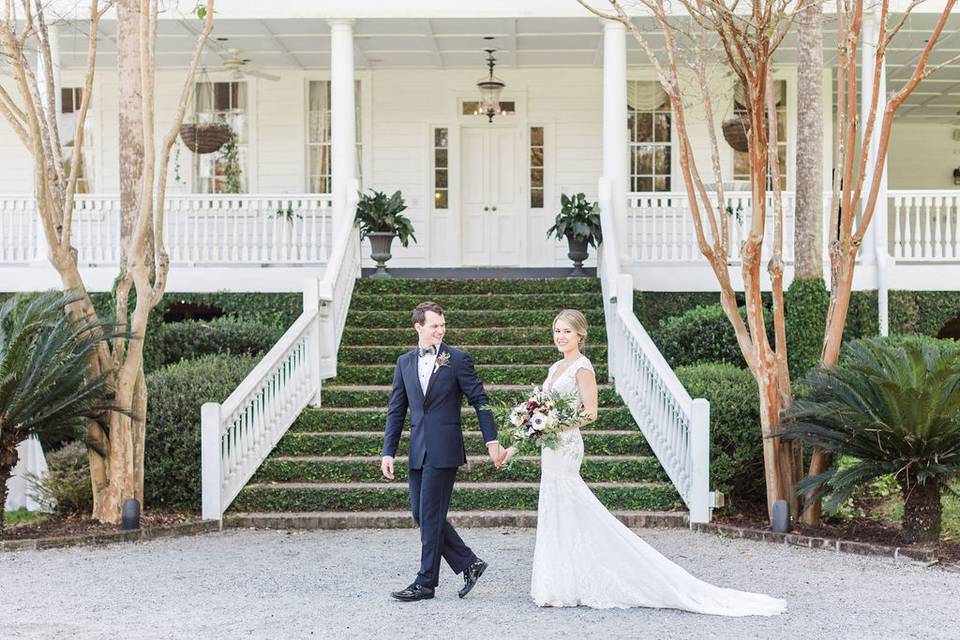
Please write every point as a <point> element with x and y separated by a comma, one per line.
<point>585,556</point>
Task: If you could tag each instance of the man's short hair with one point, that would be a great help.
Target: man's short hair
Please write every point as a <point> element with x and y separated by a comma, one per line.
<point>419,315</point>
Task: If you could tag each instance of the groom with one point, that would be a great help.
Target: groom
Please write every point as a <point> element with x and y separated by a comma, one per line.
<point>430,381</point>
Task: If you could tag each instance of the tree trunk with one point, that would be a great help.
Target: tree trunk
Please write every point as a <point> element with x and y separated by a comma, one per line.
<point>8,460</point>
<point>131,116</point>
<point>808,242</point>
<point>922,511</point>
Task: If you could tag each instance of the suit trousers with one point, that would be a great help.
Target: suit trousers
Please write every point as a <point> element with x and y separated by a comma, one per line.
<point>430,490</point>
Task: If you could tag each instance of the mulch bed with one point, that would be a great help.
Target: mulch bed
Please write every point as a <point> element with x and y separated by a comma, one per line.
<point>853,530</point>
<point>63,526</point>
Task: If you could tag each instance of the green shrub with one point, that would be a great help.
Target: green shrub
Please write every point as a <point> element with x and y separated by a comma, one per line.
<point>736,446</point>
<point>805,317</point>
<point>66,488</point>
<point>653,307</point>
<point>702,334</point>
<point>178,341</point>
<point>172,453</point>
<point>922,312</point>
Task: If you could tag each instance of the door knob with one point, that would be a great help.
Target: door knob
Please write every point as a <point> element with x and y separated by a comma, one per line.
<point>493,208</point>
<point>486,208</point>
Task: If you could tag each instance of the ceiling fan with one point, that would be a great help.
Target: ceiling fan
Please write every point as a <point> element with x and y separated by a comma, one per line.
<point>238,66</point>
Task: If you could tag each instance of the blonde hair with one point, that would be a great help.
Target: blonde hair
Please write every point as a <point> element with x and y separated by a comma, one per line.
<point>577,322</point>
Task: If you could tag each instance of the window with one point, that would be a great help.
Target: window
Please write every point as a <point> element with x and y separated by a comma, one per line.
<point>441,169</point>
<point>649,129</point>
<point>319,174</point>
<point>741,159</point>
<point>70,99</point>
<point>224,102</point>
<point>472,108</point>
<point>536,167</point>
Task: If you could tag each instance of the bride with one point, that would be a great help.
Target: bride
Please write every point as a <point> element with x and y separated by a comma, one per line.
<point>584,555</point>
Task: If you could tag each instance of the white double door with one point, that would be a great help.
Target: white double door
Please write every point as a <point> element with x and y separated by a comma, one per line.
<point>493,209</point>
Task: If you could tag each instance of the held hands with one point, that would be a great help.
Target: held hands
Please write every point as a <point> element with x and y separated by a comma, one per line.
<point>497,454</point>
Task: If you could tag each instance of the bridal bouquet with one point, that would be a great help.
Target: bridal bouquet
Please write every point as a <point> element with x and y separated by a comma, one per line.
<point>539,420</point>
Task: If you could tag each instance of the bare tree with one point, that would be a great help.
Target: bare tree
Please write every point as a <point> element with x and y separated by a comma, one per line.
<point>115,442</point>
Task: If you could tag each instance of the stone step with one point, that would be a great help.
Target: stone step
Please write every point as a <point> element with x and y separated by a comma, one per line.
<point>403,335</point>
<point>365,443</point>
<point>374,419</point>
<point>452,303</point>
<point>478,469</point>
<point>497,394</point>
<point>451,286</point>
<point>361,496</point>
<point>490,374</point>
<point>460,519</point>
<point>481,354</point>
<point>479,319</point>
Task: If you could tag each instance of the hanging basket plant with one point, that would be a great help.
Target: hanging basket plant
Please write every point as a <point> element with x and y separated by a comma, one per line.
<point>205,138</point>
<point>735,132</point>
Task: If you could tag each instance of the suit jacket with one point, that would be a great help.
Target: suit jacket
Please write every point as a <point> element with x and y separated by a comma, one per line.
<point>436,433</point>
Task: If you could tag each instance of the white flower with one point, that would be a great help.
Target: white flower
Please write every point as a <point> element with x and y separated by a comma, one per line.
<point>538,422</point>
<point>517,416</point>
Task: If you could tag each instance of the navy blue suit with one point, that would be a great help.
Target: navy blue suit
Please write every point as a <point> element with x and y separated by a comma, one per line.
<point>436,449</point>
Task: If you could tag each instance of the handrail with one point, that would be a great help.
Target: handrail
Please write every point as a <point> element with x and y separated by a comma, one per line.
<point>239,433</point>
<point>676,426</point>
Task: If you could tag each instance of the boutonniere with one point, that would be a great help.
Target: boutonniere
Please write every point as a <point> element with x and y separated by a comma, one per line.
<point>442,360</point>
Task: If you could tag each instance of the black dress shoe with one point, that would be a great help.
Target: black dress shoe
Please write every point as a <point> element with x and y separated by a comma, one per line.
<point>470,576</point>
<point>414,592</point>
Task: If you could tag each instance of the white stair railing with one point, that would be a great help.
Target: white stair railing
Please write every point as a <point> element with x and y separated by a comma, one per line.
<point>238,434</point>
<point>676,426</point>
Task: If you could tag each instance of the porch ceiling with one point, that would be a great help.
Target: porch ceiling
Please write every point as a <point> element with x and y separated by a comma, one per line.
<point>277,44</point>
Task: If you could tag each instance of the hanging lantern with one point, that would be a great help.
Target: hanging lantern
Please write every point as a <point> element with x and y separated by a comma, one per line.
<point>490,89</point>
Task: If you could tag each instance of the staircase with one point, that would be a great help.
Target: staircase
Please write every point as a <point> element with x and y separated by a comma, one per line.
<point>325,472</point>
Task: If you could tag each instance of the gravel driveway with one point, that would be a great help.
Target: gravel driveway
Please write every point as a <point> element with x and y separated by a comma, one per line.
<point>323,584</point>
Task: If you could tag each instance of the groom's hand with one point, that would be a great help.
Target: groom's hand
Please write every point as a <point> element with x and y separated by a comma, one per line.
<point>496,453</point>
<point>386,467</point>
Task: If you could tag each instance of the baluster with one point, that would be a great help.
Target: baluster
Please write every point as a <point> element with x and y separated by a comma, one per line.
<point>928,226</point>
<point>951,229</point>
<point>897,227</point>
<point>914,220</point>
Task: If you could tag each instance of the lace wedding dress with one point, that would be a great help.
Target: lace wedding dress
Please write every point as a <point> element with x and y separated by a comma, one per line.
<point>585,556</point>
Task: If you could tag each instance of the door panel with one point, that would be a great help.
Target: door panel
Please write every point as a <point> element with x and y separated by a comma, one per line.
<point>492,203</point>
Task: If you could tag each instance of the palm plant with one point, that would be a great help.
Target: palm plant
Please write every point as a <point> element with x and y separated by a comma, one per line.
<point>377,213</point>
<point>896,411</point>
<point>45,383</point>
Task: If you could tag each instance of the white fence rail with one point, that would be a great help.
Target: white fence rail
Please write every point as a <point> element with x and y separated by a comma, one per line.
<point>200,229</point>
<point>237,435</point>
<point>676,426</point>
<point>924,225</point>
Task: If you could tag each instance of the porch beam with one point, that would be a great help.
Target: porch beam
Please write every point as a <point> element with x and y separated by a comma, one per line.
<point>343,134</point>
<point>512,41</point>
<point>282,48</point>
<point>432,42</point>
<point>615,147</point>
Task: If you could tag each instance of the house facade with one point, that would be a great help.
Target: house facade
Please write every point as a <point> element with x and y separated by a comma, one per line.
<point>325,98</point>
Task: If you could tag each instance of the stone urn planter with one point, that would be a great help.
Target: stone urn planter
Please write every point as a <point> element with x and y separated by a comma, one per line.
<point>577,252</point>
<point>578,222</point>
<point>380,252</point>
<point>380,220</point>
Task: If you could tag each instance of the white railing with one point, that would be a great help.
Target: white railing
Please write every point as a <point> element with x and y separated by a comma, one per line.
<point>199,229</point>
<point>237,435</point>
<point>676,426</point>
<point>924,225</point>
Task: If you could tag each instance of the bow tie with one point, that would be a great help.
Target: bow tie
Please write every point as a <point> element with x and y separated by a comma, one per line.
<point>431,350</point>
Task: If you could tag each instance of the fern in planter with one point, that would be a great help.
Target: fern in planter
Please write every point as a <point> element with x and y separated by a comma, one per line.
<point>578,222</point>
<point>381,220</point>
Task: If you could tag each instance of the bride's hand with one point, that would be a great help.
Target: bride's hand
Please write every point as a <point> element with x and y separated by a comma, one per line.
<point>509,453</point>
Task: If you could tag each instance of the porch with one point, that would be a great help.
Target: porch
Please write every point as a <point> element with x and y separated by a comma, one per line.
<point>389,100</point>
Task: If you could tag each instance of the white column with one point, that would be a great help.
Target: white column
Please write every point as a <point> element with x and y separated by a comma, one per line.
<point>875,240</point>
<point>615,125</point>
<point>343,136</point>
